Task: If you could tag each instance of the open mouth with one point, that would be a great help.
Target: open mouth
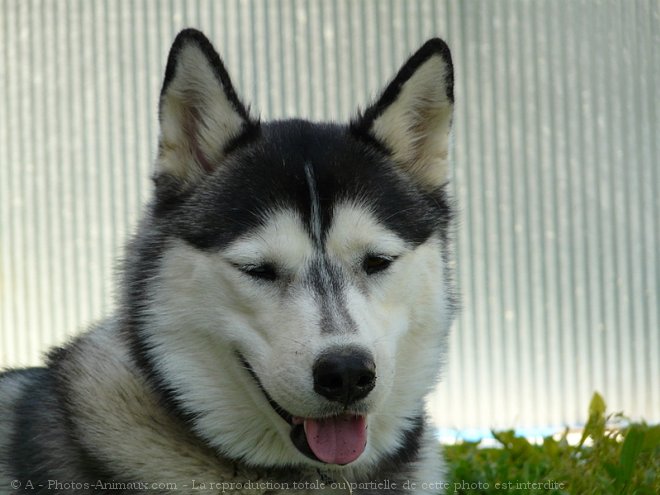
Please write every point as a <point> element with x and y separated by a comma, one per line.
<point>333,440</point>
<point>338,439</point>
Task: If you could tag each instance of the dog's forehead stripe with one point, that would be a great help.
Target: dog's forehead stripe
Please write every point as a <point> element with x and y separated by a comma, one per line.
<point>315,204</point>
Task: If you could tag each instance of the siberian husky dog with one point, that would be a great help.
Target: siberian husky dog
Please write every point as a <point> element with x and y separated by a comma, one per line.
<point>284,306</point>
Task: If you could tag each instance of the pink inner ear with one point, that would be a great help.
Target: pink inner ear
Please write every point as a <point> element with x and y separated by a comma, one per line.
<point>190,125</point>
<point>202,160</point>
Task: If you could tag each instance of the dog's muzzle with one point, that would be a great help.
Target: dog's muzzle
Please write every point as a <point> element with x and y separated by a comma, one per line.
<point>345,376</point>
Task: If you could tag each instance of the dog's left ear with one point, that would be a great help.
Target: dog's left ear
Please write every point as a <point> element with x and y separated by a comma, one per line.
<point>413,116</point>
<point>200,115</point>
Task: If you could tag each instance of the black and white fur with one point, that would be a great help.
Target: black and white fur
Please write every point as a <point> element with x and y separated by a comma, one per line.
<point>266,247</point>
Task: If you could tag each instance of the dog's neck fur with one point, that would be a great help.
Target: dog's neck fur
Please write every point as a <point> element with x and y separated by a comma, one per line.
<point>129,431</point>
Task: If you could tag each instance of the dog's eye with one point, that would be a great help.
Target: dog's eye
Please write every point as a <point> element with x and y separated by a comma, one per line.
<point>265,271</point>
<point>376,263</point>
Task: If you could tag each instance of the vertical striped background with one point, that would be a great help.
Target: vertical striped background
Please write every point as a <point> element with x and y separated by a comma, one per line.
<point>556,171</point>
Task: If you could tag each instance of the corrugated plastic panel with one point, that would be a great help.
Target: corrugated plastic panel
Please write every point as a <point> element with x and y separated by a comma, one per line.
<point>556,168</point>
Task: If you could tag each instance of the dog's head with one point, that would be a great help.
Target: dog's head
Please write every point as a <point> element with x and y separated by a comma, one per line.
<point>291,294</point>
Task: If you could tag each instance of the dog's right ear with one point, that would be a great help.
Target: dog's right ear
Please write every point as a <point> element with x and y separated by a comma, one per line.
<point>412,118</point>
<point>200,115</point>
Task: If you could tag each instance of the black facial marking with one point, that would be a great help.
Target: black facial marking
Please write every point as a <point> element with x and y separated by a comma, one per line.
<point>277,171</point>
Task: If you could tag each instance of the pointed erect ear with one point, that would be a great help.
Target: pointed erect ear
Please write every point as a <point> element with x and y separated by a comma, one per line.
<point>200,115</point>
<point>413,116</point>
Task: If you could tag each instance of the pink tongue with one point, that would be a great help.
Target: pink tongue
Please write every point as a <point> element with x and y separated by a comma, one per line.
<point>337,440</point>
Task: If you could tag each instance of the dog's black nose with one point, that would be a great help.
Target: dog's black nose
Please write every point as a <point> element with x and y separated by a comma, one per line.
<point>344,375</point>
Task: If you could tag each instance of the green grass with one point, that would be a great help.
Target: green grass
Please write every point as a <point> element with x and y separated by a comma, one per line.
<point>614,456</point>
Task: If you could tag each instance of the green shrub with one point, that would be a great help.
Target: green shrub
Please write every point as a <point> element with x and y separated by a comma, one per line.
<point>609,459</point>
